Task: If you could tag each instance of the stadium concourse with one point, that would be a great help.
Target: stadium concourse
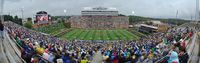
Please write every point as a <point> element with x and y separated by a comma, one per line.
<point>36,47</point>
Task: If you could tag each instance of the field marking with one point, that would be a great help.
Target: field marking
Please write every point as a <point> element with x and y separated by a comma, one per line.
<point>100,35</point>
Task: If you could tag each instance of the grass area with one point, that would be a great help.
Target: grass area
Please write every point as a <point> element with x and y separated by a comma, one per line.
<point>82,34</point>
<point>51,29</point>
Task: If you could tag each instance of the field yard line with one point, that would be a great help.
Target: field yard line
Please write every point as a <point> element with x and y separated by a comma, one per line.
<point>132,36</point>
<point>94,35</point>
<point>118,35</point>
<point>109,35</point>
<point>71,32</point>
<point>105,36</point>
<point>99,34</point>
<point>86,34</point>
<point>88,37</point>
<point>113,35</point>
<point>77,34</point>
<point>128,34</point>
<point>68,35</point>
<point>136,34</point>
<point>121,35</point>
<point>82,34</point>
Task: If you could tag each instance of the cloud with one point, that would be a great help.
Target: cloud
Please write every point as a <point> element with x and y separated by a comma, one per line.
<point>148,8</point>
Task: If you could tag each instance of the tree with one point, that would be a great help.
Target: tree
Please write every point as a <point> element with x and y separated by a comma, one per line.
<point>67,24</point>
<point>8,18</point>
<point>16,17</point>
<point>17,20</point>
<point>150,23</point>
<point>137,19</point>
<point>121,15</point>
<point>60,21</point>
<point>29,19</point>
<point>28,24</point>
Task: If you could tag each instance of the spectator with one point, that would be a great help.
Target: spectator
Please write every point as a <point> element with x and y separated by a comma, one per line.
<point>84,60</point>
<point>1,29</point>
<point>52,48</point>
<point>173,56</point>
<point>183,55</point>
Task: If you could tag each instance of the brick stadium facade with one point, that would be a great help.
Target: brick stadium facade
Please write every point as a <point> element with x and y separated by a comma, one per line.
<point>99,21</point>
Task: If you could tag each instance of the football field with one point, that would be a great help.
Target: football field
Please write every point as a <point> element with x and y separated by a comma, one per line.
<point>82,34</point>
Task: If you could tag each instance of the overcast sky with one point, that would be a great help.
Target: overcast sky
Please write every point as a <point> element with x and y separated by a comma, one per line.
<point>148,8</point>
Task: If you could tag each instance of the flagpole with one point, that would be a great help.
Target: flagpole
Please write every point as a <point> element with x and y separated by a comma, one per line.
<point>197,11</point>
<point>176,14</point>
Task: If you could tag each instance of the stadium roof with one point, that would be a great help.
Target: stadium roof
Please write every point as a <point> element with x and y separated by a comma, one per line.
<point>149,26</point>
<point>41,12</point>
<point>99,9</point>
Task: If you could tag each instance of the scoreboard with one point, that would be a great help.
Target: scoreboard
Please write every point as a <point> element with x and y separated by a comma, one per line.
<point>42,19</point>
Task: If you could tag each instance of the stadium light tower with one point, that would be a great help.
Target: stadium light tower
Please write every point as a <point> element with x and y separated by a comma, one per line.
<point>22,11</point>
<point>133,12</point>
<point>1,11</point>
<point>197,14</point>
<point>65,12</point>
<point>197,11</point>
<point>177,14</point>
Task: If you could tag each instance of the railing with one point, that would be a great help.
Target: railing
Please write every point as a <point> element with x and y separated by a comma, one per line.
<point>9,41</point>
<point>20,47</point>
<point>159,61</point>
<point>194,54</point>
<point>199,60</point>
<point>30,53</point>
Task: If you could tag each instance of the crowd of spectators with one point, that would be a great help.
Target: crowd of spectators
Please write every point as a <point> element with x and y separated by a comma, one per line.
<point>99,22</point>
<point>37,47</point>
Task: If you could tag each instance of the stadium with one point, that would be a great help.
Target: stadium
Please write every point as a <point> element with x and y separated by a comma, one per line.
<point>99,18</point>
<point>97,34</point>
<point>99,23</point>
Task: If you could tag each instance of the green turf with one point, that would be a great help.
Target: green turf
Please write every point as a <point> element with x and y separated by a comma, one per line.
<point>104,35</point>
<point>89,35</point>
<point>82,34</point>
<point>51,29</point>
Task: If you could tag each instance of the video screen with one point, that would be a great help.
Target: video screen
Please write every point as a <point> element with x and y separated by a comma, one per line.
<point>42,19</point>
